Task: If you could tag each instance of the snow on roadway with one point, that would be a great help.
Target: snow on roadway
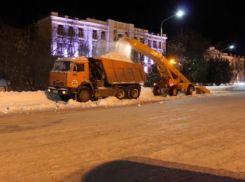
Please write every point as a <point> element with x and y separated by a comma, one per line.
<point>27,102</point>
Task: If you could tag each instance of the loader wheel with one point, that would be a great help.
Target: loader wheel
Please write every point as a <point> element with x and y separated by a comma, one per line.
<point>133,92</point>
<point>173,91</point>
<point>121,94</point>
<point>156,91</point>
<point>190,90</point>
<point>161,82</point>
<point>84,95</point>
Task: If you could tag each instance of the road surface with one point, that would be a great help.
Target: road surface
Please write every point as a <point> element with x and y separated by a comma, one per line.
<point>190,139</point>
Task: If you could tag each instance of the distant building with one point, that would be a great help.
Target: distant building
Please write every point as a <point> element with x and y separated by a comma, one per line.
<point>236,62</point>
<point>91,37</point>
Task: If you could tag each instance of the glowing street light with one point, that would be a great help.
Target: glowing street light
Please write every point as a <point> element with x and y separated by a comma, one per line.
<point>178,14</point>
<point>230,47</point>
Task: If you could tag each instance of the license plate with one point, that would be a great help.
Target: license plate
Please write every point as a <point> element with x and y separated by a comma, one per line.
<point>55,91</point>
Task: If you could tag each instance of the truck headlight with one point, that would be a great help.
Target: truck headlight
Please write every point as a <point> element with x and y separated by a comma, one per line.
<point>64,92</point>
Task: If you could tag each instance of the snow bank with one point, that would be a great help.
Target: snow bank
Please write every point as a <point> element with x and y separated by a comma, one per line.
<point>26,102</point>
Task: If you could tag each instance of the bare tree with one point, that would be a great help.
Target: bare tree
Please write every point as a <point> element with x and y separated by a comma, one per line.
<point>10,48</point>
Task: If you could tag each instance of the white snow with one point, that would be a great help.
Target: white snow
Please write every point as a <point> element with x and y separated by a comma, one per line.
<point>117,56</point>
<point>27,102</point>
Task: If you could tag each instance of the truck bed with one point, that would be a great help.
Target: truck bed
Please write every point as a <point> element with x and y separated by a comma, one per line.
<point>122,72</point>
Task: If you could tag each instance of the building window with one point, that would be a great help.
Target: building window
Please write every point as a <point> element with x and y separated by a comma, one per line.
<point>117,37</point>
<point>142,40</point>
<point>60,48</point>
<point>120,35</point>
<point>149,43</point>
<point>160,45</point>
<point>60,30</point>
<point>83,49</point>
<point>102,35</point>
<point>70,50</point>
<point>95,34</point>
<point>81,33</point>
<point>71,32</point>
<point>154,44</point>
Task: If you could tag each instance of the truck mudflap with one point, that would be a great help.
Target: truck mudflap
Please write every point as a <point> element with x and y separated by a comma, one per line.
<point>202,90</point>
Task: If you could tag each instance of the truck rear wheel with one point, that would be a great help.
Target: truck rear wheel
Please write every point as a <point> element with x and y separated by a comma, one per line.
<point>173,91</point>
<point>121,94</point>
<point>84,95</point>
<point>133,92</point>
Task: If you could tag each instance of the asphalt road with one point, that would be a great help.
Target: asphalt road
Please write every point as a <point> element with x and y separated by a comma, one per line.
<point>193,139</point>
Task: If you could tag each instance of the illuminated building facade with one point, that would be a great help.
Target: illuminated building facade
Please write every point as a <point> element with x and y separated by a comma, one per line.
<point>90,37</point>
<point>236,62</point>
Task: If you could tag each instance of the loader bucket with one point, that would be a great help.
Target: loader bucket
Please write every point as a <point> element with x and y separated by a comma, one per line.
<point>202,90</point>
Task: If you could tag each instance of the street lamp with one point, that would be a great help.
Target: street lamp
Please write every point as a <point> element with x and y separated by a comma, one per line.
<point>230,47</point>
<point>178,14</point>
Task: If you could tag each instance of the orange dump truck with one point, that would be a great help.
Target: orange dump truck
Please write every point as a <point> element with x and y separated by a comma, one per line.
<point>86,79</point>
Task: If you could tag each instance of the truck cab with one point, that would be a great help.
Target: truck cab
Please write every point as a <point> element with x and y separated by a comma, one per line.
<point>67,75</point>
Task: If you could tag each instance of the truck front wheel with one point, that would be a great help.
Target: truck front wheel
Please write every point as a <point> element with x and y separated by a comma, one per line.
<point>84,95</point>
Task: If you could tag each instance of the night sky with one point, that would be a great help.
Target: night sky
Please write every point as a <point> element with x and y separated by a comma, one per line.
<point>219,21</point>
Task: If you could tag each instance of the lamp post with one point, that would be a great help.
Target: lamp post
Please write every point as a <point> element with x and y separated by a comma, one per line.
<point>178,14</point>
<point>230,47</point>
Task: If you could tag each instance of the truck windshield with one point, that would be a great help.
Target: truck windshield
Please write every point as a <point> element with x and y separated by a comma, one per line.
<point>62,66</point>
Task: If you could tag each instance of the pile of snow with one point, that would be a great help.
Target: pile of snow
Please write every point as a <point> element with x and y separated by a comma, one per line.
<point>27,102</point>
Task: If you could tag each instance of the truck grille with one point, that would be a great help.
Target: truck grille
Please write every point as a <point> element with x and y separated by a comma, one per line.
<point>58,83</point>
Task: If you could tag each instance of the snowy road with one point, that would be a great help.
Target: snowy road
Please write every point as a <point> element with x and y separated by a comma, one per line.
<point>189,139</point>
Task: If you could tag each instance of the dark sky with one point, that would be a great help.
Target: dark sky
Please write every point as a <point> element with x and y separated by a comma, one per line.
<point>219,21</point>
